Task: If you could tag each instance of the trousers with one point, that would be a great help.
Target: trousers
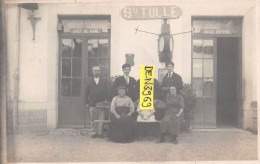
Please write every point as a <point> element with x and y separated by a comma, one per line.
<point>97,114</point>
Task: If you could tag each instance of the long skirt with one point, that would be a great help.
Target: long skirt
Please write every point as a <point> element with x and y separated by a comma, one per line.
<point>171,124</point>
<point>122,129</point>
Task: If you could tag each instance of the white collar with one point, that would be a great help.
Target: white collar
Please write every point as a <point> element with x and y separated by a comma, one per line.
<point>96,80</point>
<point>127,76</point>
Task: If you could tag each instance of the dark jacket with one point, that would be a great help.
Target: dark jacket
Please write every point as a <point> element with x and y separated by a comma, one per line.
<point>96,93</point>
<point>175,80</point>
<point>156,89</point>
<point>131,87</point>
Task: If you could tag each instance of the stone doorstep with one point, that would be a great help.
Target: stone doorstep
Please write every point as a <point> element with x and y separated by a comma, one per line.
<point>42,129</point>
<point>70,131</point>
<point>228,129</point>
<point>87,131</point>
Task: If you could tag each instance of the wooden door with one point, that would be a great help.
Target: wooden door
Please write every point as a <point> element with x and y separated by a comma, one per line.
<point>71,95</point>
<point>239,85</point>
<point>75,63</point>
<point>77,57</point>
<point>204,82</point>
<point>97,53</point>
<point>229,81</point>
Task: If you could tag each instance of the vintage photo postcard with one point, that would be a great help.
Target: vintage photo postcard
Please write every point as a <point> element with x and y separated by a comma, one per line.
<point>140,81</point>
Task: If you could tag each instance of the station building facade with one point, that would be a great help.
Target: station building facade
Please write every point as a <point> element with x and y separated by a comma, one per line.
<point>50,58</point>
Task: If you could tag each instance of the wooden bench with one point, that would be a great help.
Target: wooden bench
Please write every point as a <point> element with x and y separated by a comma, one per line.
<point>108,121</point>
<point>101,121</point>
<point>142,127</point>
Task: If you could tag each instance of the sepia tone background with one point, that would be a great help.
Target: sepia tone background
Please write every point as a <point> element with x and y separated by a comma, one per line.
<point>35,97</point>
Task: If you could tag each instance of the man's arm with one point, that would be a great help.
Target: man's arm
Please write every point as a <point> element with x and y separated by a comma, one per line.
<point>164,87</point>
<point>107,89</point>
<point>180,83</point>
<point>135,90</point>
<point>87,92</point>
<point>113,90</point>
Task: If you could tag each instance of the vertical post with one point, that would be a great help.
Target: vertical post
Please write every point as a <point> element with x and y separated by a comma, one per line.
<point>3,149</point>
<point>12,21</point>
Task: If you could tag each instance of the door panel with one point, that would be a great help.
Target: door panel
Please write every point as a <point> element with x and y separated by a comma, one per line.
<point>210,111</point>
<point>198,114</point>
<point>97,53</point>
<point>228,79</point>
<point>204,82</point>
<point>77,57</point>
<point>71,79</point>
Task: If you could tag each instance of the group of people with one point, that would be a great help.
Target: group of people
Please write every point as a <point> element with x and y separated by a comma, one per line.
<point>123,94</point>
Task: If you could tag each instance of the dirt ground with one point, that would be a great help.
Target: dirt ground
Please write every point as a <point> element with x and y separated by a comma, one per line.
<point>220,144</point>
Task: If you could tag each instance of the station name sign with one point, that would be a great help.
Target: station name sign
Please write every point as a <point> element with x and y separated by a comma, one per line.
<point>85,30</point>
<point>215,31</point>
<point>151,12</point>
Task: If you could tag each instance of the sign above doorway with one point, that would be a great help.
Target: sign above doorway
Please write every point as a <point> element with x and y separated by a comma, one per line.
<point>215,31</point>
<point>217,26</point>
<point>151,12</point>
<point>86,30</point>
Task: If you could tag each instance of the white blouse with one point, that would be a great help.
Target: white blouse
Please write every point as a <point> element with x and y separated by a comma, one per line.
<point>118,101</point>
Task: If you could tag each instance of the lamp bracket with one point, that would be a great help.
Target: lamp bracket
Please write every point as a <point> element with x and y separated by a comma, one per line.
<point>137,29</point>
<point>33,20</point>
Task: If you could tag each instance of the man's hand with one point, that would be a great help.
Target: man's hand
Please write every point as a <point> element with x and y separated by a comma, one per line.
<point>129,114</point>
<point>117,115</point>
<point>149,115</point>
<point>180,112</point>
<point>141,114</point>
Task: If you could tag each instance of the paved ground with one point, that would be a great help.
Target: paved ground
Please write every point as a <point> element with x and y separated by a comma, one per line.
<point>220,144</point>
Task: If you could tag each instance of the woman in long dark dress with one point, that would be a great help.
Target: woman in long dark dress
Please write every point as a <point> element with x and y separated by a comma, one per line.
<point>171,121</point>
<point>121,128</point>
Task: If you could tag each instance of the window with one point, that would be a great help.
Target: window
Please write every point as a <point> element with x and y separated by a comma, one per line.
<point>203,67</point>
<point>71,67</point>
<point>98,54</point>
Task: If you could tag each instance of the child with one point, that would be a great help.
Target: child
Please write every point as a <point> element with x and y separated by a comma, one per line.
<point>145,115</point>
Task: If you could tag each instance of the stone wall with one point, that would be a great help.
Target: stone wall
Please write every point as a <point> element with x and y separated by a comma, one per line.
<point>254,115</point>
<point>32,121</point>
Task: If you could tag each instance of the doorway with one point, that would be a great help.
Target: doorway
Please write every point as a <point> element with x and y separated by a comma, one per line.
<point>217,71</point>
<point>77,57</point>
<point>227,81</point>
<point>84,41</point>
